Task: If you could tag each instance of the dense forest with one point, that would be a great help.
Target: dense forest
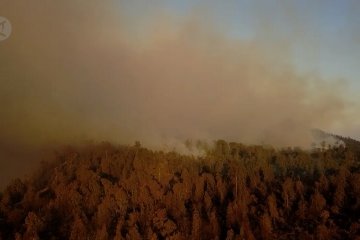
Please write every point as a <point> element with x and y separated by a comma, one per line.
<point>234,191</point>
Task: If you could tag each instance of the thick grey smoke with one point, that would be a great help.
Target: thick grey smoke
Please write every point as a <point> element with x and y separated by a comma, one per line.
<point>81,70</point>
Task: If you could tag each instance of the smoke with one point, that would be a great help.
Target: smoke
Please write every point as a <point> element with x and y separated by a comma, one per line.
<point>82,70</point>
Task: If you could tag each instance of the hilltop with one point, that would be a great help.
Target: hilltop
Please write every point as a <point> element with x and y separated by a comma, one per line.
<point>235,191</point>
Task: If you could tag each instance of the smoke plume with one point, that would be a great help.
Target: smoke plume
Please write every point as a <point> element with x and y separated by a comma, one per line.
<point>82,70</point>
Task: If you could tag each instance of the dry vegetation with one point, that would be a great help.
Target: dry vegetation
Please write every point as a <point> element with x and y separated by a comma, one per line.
<point>234,192</point>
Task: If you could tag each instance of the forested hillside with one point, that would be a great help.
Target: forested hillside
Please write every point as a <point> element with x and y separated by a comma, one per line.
<point>233,192</point>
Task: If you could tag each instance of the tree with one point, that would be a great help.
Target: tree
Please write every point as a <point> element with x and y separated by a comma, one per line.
<point>318,203</point>
<point>78,229</point>
<point>196,225</point>
<point>266,226</point>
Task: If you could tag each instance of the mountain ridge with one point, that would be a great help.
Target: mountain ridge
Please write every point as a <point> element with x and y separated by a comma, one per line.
<point>103,191</point>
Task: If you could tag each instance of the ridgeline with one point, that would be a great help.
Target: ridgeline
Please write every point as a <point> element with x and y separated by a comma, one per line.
<point>235,191</point>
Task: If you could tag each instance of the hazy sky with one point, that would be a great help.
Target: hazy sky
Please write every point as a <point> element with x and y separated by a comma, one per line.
<point>164,71</point>
<point>324,35</point>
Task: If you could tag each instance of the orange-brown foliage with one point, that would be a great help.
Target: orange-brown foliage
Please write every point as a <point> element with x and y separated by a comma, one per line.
<point>234,192</point>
